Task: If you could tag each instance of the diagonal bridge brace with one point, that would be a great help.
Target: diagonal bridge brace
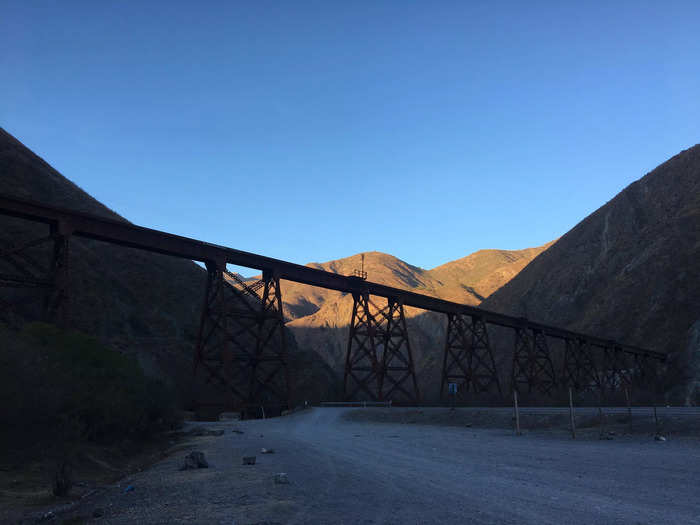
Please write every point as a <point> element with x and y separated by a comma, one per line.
<point>379,362</point>
<point>241,359</point>
<point>21,267</point>
<point>468,359</point>
<point>532,362</point>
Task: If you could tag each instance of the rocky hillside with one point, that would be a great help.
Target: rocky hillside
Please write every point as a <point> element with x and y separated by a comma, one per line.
<point>319,319</point>
<point>473,278</point>
<point>467,280</point>
<point>629,271</point>
<point>139,303</point>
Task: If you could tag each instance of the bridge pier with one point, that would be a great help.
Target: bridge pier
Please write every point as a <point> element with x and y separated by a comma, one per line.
<point>532,362</point>
<point>617,373</point>
<point>580,371</point>
<point>21,270</point>
<point>241,360</point>
<point>379,361</point>
<point>56,306</point>
<point>397,359</point>
<point>468,360</point>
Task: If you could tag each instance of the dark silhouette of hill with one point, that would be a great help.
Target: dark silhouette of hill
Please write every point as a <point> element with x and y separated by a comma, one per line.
<point>629,271</point>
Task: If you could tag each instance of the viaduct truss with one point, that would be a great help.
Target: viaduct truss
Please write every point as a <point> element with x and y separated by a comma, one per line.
<point>242,348</point>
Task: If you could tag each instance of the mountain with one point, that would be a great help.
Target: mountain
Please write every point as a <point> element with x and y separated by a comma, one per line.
<point>302,300</point>
<point>144,304</point>
<point>320,319</point>
<point>467,280</point>
<point>629,271</point>
<point>473,278</point>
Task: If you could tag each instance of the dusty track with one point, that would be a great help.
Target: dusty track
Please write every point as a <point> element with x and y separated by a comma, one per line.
<point>365,472</point>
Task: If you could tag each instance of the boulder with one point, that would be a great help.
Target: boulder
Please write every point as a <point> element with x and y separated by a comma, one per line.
<point>193,460</point>
<point>281,478</point>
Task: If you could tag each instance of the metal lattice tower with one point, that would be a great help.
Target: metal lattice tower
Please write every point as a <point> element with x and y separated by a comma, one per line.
<point>532,363</point>
<point>241,347</point>
<point>468,360</point>
<point>22,271</point>
<point>379,362</point>
<point>580,371</point>
<point>397,367</point>
<point>361,365</point>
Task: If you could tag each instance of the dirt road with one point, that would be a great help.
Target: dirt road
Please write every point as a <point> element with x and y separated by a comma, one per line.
<point>349,472</point>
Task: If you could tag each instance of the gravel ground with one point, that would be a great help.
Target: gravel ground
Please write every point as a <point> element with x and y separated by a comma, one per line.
<point>346,472</point>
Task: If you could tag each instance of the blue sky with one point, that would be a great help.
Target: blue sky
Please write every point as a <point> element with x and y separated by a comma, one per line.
<point>311,131</point>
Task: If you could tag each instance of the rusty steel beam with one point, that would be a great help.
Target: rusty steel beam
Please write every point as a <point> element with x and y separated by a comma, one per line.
<point>126,234</point>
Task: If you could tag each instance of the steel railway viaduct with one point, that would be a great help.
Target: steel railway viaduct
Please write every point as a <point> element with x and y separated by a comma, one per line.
<point>242,348</point>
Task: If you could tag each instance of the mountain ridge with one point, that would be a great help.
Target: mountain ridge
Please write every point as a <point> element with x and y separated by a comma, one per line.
<point>323,317</point>
<point>628,271</point>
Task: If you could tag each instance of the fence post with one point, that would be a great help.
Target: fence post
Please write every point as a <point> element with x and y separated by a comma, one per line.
<point>629,405</point>
<point>571,413</point>
<point>656,420</point>
<point>517,414</point>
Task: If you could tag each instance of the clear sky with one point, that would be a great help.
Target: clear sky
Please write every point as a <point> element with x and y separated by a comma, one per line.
<point>311,131</point>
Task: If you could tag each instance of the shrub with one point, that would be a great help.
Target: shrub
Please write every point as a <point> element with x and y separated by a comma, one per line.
<point>68,387</point>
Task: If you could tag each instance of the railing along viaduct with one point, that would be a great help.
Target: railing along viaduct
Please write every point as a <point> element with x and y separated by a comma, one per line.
<point>241,344</point>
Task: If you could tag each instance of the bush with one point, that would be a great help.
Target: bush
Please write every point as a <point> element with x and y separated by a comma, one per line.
<point>68,387</point>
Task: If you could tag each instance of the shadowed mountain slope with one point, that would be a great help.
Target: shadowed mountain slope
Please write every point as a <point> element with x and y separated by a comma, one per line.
<point>629,271</point>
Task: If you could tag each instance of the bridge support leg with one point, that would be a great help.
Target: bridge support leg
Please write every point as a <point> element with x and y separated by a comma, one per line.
<point>22,272</point>
<point>57,306</point>
<point>379,362</point>
<point>362,370</point>
<point>617,374</point>
<point>580,371</point>
<point>521,374</point>
<point>543,369</point>
<point>397,359</point>
<point>468,360</point>
<point>269,378</point>
<point>241,355</point>
<point>532,363</point>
